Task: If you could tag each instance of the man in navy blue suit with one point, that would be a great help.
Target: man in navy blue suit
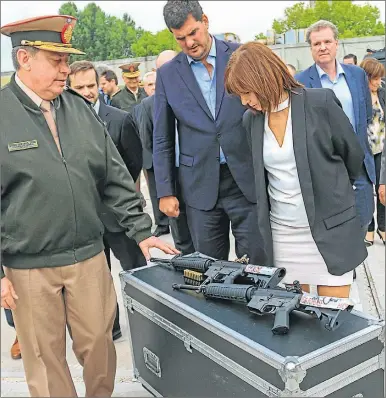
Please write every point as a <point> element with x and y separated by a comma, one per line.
<point>350,85</point>
<point>215,172</point>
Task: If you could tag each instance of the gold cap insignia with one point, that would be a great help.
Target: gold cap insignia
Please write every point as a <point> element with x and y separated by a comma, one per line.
<point>66,33</point>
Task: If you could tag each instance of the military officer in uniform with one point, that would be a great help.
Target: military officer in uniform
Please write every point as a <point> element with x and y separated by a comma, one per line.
<point>59,170</point>
<point>132,94</point>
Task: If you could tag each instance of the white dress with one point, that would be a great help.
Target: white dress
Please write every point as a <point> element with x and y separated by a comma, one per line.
<point>293,245</point>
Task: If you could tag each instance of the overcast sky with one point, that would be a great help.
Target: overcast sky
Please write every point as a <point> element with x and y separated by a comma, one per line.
<point>245,18</point>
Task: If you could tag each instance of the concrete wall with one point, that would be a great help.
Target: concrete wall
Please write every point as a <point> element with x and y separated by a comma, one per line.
<point>299,55</point>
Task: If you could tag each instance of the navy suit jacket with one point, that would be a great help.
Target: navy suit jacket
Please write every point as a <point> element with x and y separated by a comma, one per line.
<point>178,97</point>
<point>359,87</point>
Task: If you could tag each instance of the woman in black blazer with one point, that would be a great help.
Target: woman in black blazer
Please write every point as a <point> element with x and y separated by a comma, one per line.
<point>306,158</point>
<point>375,71</point>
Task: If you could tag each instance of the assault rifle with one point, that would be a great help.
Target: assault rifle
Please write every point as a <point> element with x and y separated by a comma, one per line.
<point>278,302</point>
<point>201,270</point>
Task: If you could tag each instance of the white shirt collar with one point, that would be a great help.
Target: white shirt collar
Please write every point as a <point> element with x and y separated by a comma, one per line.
<point>97,106</point>
<point>34,97</point>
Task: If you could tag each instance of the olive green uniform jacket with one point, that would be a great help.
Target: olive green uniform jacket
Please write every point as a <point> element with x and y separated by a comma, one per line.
<point>125,99</point>
<point>52,205</point>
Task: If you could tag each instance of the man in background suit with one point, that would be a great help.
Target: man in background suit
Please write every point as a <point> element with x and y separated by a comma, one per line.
<point>108,83</point>
<point>84,79</point>
<point>102,95</point>
<point>161,219</point>
<point>350,85</point>
<point>215,162</point>
<point>179,225</point>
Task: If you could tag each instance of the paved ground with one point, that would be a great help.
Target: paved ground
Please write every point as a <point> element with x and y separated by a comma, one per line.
<point>12,376</point>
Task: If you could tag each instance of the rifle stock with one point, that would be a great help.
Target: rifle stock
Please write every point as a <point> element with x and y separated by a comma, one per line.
<point>278,302</point>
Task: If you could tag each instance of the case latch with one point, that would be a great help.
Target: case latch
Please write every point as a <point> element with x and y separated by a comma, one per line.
<point>128,303</point>
<point>187,343</point>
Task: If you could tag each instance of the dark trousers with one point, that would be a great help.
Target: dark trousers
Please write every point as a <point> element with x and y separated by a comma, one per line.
<point>9,317</point>
<point>210,229</point>
<point>179,226</point>
<point>159,217</point>
<point>127,252</point>
<point>380,207</point>
<point>116,325</point>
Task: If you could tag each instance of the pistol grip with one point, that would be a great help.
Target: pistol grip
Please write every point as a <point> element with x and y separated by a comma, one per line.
<point>281,323</point>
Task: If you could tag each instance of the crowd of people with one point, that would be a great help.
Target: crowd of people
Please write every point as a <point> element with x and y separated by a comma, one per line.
<point>229,137</point>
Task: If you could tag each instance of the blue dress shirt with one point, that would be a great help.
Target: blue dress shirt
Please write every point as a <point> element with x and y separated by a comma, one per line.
<point>340,88</point>
<point>207,83</point>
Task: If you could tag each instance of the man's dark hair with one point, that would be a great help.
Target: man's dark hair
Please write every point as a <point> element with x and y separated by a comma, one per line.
<point>177,12</point>
<point>353,56</point>
<point>81,66</point>
<point>110,75</point>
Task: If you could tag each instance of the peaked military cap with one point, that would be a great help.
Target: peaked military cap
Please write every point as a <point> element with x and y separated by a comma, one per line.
<point>50,33</point>
<point>131,70</point>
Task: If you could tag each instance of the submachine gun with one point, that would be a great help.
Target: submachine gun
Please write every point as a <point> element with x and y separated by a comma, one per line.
<point>278,302</point>
<point>200,270</point>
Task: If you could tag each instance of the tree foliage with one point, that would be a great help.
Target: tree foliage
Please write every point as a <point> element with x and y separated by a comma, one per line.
<point>351,19</point>
<point>153,44</point>
<point>103,37</point>
<point>260,36</point>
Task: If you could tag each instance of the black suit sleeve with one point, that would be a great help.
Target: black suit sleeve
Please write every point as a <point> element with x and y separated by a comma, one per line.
<point>131,147</point>
<point>247,124</point>
<point>344,139</point>
<point>146,128</point>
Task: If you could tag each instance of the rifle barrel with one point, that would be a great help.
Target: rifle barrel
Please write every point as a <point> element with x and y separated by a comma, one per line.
<point>178,286</point>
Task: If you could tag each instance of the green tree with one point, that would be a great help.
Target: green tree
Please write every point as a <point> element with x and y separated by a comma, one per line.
<point>351,19</point>
<point>153,44</point>
<point>100,35</point>
<point>69,8</point>
<point>104,37</point>
<point>260,36</point>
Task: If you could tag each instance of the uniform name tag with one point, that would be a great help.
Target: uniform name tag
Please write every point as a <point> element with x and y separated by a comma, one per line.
<point>21,146</point>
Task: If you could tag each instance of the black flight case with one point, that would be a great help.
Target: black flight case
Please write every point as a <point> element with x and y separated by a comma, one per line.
<point>184,345</point>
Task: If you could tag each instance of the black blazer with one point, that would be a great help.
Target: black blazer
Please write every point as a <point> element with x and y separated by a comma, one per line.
<point>143,113</point>
<point>328,158</point>
<point>124,134</point>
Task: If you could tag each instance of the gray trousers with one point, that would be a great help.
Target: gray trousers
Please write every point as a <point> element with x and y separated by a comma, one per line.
<point>210,229</point>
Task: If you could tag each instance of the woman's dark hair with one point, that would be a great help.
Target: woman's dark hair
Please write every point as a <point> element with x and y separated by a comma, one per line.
<point>255,68</point>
